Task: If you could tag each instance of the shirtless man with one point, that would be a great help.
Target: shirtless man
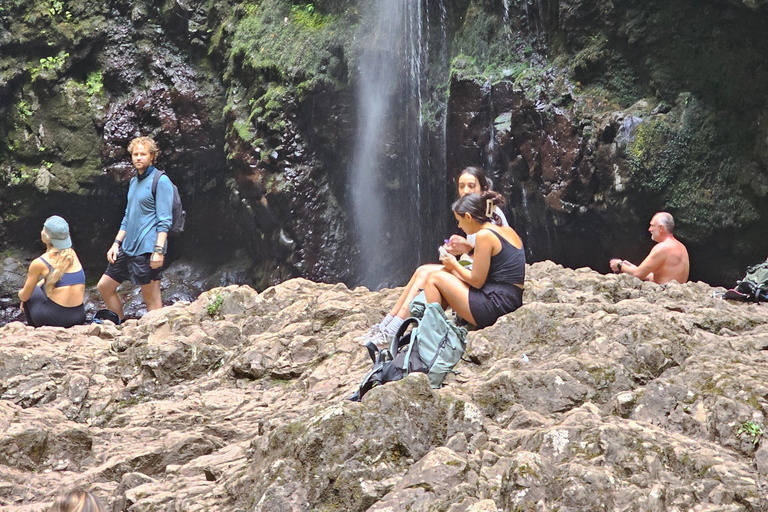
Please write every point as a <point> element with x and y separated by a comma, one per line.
<point>667,261</point>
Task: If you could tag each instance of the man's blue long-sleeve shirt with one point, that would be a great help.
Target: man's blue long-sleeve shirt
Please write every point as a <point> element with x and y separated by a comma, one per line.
<point>145,214</point>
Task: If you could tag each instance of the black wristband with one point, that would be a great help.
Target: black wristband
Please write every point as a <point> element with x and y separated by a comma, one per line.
<point>119,242</point>
<point>618,267</point>
<point>159,249</point>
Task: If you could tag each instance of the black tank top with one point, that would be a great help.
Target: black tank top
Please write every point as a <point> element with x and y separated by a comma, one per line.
<point>508,266</point>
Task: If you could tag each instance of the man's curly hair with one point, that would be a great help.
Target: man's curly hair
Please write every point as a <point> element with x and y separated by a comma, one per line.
<point>147,141</point>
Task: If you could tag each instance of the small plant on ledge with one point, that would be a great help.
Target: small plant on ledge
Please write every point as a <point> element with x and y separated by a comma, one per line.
<point>214,305</point>
<point>752,431</point>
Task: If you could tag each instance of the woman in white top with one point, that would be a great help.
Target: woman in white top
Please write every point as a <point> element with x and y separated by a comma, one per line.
<point>472,180</point>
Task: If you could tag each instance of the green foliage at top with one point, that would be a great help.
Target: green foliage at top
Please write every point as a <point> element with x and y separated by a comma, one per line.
<point>56,8</point>
<point>294,44</point>
<point>308,17</point>
<point>487,46</point>
<point>279,53</point>
<point>683,165</point>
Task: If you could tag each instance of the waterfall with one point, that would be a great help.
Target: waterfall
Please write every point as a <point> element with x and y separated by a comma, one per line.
<point>489,152</point>
<point>390,158</point>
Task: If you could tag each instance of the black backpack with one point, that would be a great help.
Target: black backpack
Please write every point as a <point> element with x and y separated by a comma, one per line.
<point>105,314</point>
<point>179,215</point>
<point>754,285</point>
<point>389,365</point>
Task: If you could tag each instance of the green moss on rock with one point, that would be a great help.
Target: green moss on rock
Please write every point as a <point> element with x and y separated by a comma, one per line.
<point>681,162</point>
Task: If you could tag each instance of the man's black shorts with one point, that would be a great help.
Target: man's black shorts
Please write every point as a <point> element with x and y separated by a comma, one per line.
<point>135,268</point>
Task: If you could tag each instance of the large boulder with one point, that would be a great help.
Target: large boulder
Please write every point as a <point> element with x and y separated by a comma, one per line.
<point>600,393</point>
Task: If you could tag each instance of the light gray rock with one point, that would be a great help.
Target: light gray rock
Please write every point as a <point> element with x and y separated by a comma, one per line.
<point>600,393</point>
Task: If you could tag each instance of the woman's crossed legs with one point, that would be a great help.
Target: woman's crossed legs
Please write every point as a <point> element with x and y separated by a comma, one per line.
<point>448,290</point>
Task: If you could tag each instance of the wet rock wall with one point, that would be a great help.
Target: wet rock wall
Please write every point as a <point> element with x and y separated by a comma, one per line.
<point>590,117</point>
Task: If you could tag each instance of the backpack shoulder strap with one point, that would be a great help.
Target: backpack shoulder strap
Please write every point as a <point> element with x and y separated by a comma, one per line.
<point>155,179</point>
<point>404,327</point>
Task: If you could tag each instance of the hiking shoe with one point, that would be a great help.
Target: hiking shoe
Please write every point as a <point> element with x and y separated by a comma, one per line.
<point>372,332</point>
<point>381,339</point>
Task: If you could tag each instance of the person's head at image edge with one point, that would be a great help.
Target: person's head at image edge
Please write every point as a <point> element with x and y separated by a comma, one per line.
<point>77,501</point>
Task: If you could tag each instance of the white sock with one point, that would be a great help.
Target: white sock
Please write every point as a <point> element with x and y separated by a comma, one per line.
<point>393,326</point>
<point>384,323</point>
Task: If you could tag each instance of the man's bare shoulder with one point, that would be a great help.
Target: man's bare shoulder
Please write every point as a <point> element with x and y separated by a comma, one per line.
<point>662,248</point>
<point>673,245</point>
<point>670,245</point>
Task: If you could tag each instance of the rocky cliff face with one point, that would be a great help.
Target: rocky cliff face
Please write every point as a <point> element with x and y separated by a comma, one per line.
<point>601,393</point>
<point>600,114</point>
<point>590,115</point>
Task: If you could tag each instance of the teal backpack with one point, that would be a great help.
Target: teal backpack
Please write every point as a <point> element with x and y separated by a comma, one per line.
<point>434,345</point>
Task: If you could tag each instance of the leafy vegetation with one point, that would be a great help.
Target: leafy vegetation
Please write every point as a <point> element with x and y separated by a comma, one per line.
<point>94,83</point>
<point>24,110</point>
<point>50,63</point>
<point>308,17</point>
<point>56,8</point>
<point>488,47</point>
<point>213,308</point>
<point>20,176</point>
<point>751,431</point>
<point>600,66</point>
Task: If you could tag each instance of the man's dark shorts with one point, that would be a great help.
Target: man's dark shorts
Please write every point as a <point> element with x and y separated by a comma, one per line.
<point>135,268</point>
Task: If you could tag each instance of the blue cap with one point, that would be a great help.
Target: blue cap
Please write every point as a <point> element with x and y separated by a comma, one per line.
<point>57,230</point>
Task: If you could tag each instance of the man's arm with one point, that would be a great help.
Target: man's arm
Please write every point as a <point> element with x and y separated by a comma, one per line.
<point>156,260</point>
<point>650,264</point>
<point>164,213</point>
<point>115,247</point>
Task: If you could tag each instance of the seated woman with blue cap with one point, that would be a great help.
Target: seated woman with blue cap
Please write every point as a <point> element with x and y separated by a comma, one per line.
<point>55,288</point>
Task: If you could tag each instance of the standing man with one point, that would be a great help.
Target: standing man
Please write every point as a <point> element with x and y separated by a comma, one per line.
<point>138,252</point>
<point>667,261</point>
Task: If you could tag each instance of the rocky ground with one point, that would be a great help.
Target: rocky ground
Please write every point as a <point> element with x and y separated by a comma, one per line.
<point>601,393</point>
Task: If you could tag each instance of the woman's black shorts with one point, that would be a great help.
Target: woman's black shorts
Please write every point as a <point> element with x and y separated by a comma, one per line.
<point>490,302</point>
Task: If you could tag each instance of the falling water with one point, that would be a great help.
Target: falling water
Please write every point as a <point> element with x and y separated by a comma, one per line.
<point>527,215</point>
<point>490,148</point>
<point>386,171</point>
